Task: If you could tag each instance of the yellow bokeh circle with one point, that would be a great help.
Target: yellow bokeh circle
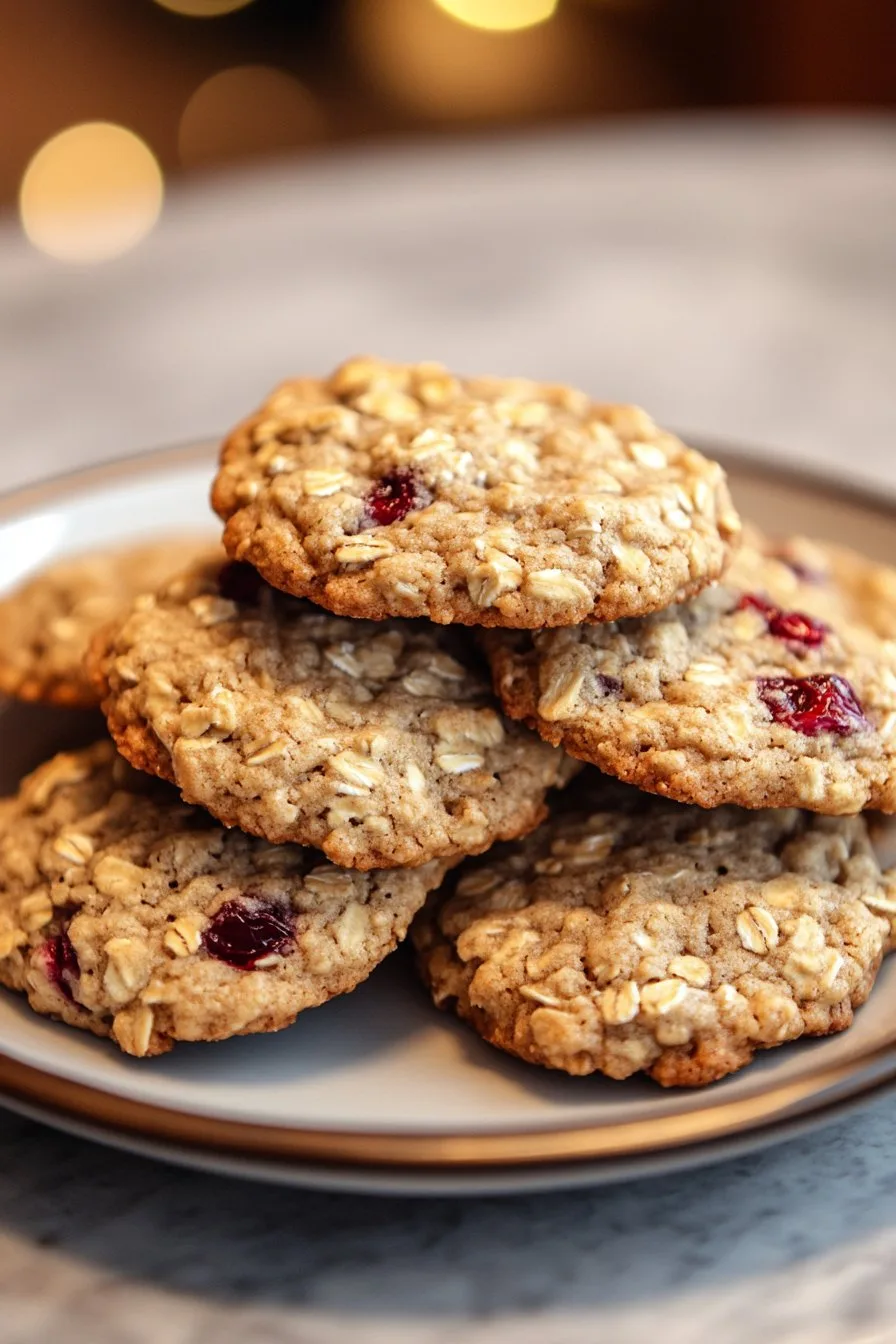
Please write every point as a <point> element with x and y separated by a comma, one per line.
<point>499,15</point>
<point>203,9</point>
<point>90,193</point>
<point>247,110</point>
<point>428,62</point>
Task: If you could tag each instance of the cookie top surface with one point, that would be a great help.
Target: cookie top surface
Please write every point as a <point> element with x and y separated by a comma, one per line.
<point>381,744</point>
<point>402,490</point>
<point>773,688</point>
<point>631,933</point>
<point>47,624</point>
<point>128,913</point>
<point>849,583</point>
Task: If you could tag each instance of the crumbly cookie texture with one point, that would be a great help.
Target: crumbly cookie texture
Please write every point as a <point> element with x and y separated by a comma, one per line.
<point>630,933</point>
<point>381,744</point>
<point>403,490</point>
<point>865,589</point>
<point>46,625</point>
<point>883,903</point>
<point>772,689</point>
<point>129,914</point>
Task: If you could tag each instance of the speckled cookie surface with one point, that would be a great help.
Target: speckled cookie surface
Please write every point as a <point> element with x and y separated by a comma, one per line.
<point>849,583</point>
<point>630,934</point>
<point>402,490</point>
<point>46,625</point>
<point>129,914</point>
<point>772,689</point>
<point>379,744</point>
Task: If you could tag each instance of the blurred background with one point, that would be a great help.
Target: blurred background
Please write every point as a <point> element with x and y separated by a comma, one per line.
<point>690,203</point>
<point>206,82</point>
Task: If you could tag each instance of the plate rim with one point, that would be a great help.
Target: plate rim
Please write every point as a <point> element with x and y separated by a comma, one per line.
<point>440,1181</point>
<point>836,1083</point>
<point>818,1091</point>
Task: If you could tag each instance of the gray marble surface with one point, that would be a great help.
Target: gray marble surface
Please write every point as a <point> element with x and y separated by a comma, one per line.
<point>796,1244</point>
<point>739,278</point>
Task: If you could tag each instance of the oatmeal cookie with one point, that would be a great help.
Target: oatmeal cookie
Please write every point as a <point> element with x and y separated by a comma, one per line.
<point>381,744</point>
<point>630,933</point>
<point>843,582</point>
<point>48,623</point>
<point>402,490</point>
<point>129,914</point>
<point>772,689</point>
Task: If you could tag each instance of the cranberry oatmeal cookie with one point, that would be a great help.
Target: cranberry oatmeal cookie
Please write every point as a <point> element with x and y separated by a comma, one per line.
<point>379,743</point>
<point>631,933</point>
<point>771,689</point>
<point>46,625</point>
<point>403,490</point>
<point>127,913</point>
<point>863,589</point>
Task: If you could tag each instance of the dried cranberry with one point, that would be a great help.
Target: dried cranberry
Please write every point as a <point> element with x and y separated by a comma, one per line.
<point>813,705</point>
<point>792,625</point>
<point>239,582</point>
<point>796,626</point>
<point>244,931</point>
<point>393,497</point>
<point>60,963</point>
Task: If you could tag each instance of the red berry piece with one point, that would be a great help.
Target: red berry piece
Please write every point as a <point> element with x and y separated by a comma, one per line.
<point>393,497</point>
<point>797,627</point>
<point>60,964</point>
<point>244,931</point>
<point>794,626</point>
<point>813,705</point>
<point>239,582</point>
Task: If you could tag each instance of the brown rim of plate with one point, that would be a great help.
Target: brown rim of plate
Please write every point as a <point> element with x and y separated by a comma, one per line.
<point>824,1089</point>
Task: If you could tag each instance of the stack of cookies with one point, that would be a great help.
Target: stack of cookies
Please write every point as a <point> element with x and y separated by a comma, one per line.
<point>437,598</point>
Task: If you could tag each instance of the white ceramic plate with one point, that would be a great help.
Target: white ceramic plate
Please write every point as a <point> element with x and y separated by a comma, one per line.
<point>378,1091</point>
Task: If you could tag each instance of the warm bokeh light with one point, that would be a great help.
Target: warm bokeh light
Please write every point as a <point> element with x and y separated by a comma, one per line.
<point>439,68</point>
<point>91,193</point>
<point>203,9</point>
<point>247,110</point>
<point>499,15</point>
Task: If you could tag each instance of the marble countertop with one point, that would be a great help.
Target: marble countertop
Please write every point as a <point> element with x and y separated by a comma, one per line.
<point>796,1244</point>
<point>739,279</point>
